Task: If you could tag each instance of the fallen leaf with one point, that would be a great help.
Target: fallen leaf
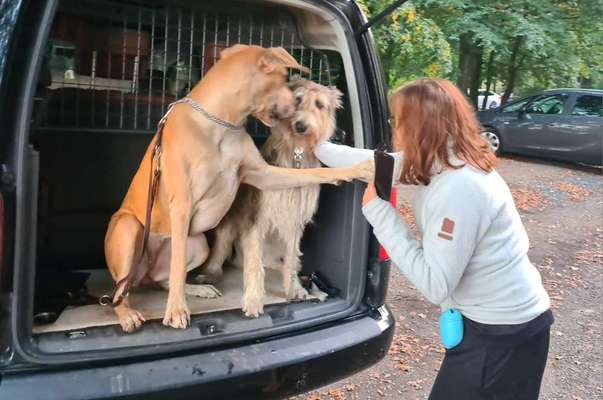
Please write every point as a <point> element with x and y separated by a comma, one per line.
<point>403,367</point>
<point>527,199</point>
<point>350,387</point>
<point>574,192</point>
<point>336,394</point>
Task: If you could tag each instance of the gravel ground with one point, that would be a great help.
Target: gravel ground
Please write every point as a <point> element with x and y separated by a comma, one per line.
<point>562,209</point>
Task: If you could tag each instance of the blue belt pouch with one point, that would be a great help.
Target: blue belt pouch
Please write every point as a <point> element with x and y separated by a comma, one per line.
<point>451,328</point>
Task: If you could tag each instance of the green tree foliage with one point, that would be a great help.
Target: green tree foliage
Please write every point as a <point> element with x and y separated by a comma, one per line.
<point>521,44</point>
<point>410,45</point>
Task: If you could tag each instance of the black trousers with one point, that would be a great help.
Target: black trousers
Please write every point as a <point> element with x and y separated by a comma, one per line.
<point>482,367</point>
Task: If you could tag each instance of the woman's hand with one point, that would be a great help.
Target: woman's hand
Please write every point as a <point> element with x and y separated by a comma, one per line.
<point>369,193</point>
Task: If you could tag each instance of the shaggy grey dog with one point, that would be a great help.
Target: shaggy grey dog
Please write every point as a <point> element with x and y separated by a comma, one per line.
<point>266,227</point>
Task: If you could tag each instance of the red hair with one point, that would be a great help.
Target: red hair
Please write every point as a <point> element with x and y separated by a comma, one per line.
<point>432,121</point>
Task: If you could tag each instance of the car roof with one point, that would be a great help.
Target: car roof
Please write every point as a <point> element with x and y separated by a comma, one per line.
<point>574,90</point>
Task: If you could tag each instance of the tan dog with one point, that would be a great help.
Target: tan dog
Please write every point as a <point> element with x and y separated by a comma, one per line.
<point>258,219</point>
<point>202,165</point>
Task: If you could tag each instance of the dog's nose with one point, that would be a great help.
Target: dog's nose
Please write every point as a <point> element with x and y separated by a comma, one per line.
<point>300,127</point>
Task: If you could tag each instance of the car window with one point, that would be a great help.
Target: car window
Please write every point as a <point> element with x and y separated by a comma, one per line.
<point>516,106</point>
<point>548,105</point>
<point>588,106</point>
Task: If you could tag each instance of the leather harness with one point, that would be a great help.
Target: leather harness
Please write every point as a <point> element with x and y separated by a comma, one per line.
<point>154,175</point>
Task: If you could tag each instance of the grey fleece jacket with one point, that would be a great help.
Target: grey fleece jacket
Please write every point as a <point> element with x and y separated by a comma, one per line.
<point>472,255</point>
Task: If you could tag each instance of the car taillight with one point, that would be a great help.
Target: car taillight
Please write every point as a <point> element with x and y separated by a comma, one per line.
<point>393,198</point>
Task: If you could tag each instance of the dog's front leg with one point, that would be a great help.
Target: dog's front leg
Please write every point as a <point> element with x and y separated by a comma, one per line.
<point>258,173</point>
<point>253,273</point>
<point>274,178</point>
<point>177,314</point>
<point>292,265</point>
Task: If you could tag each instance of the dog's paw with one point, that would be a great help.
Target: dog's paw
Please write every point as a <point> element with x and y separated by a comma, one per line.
<point>212,274</point>
<point>130,319</point>
<point>298,294</point>
<point>364,170</point>
<point>201,279</point>
<point>319,294</point>
<point>177,314</point>
<point>297,291</point>
<point>359,171</point>
<point>253,306</point>
<point>203,291</point>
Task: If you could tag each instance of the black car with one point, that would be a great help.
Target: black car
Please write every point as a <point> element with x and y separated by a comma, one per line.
<point>562,124</point>
<point>80,95</point>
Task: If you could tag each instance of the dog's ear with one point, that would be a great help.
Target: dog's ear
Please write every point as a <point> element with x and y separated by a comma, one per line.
<point>265,117</point>
<point>278,57</point>
<point>295,81</point>
<point>232,50</point>
<point>336,96</point>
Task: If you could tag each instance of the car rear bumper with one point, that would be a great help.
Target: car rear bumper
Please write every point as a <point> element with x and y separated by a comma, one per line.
<point>271,369</point>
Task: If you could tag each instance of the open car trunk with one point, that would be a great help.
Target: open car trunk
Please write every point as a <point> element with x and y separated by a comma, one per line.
<point>111,71</point>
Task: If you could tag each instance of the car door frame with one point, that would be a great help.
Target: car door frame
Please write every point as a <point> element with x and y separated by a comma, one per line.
<point>529,133</point>
<point>583,134</point>
<point>506,120</point>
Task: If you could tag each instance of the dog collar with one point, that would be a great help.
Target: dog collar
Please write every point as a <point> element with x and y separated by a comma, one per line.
<point>298,156</point>
<point>197,107</point>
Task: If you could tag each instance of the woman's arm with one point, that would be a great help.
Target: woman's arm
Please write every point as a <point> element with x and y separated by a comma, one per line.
<point>338,156</point>
<point>454,224</point>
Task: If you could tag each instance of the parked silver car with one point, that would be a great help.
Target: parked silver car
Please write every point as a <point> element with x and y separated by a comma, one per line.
<point>563,124</point>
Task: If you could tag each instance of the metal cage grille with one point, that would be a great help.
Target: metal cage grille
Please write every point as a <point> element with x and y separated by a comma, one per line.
<point>117,66</point>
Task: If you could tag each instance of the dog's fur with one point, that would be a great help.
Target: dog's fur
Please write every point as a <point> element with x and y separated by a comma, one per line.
<point>259,219</point>
<point>202,165</point>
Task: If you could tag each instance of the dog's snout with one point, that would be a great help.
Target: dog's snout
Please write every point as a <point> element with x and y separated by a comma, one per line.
<point>300,127</point>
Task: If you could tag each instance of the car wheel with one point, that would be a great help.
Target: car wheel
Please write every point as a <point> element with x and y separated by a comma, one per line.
<point>493,139</point>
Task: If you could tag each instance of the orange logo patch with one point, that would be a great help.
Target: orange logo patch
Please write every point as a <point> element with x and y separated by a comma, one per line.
<point>447,229</point>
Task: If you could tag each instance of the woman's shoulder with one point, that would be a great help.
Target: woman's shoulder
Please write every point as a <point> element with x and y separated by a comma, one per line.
<point>466,183</point>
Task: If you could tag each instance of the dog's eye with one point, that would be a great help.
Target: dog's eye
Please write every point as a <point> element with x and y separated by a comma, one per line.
<point>298,99</point>
<point>319,105</point>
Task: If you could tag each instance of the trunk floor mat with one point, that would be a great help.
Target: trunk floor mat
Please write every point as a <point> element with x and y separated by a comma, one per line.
<point>151,302</point>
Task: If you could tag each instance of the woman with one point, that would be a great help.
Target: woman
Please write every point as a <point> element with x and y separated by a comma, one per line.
<point>472,256</point>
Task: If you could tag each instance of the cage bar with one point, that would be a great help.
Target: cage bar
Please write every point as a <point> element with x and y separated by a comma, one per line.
<point>190,51</point>
<point>151,65</point>
<point>123,74</point>
<point>137,59</point>
<point>136,72</point>
<point>165,52</point>
<point>215,44</point>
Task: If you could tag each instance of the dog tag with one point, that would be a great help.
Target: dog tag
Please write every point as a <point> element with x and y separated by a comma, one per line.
<point>298,156</point>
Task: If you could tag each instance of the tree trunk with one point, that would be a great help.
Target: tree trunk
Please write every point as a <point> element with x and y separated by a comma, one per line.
<point>470,66</point>
<point>488,79</point>
<point>514,66</point>
<point>464,63</point>
<point>586,83</point>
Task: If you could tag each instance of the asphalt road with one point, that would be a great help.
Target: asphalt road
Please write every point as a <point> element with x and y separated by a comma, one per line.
<point>562,209</point>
